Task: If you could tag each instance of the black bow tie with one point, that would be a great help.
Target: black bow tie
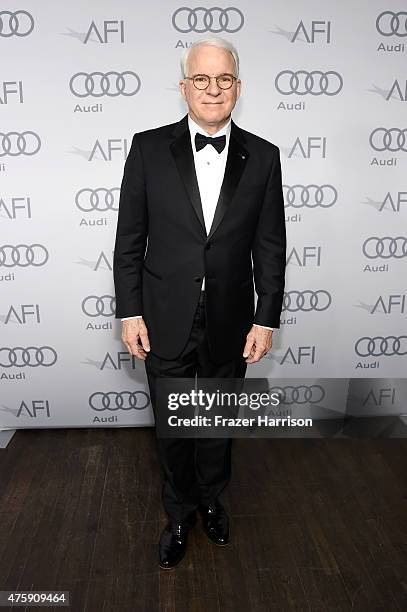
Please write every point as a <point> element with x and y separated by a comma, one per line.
<point>201,141</point>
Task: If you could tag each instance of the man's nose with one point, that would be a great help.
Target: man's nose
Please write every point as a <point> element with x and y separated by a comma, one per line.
<point>213,88</point>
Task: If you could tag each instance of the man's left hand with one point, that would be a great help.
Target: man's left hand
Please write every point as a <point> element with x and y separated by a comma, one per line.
<point>258,342</point>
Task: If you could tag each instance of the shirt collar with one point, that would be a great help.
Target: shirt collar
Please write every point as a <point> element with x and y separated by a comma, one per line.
<point>194,128</point>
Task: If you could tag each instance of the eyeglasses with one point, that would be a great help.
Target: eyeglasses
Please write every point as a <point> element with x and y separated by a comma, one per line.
<point>223,81</point>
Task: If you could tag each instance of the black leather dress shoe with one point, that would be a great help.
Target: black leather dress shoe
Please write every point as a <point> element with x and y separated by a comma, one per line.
<point>173,542</point>
<point>215,523</point>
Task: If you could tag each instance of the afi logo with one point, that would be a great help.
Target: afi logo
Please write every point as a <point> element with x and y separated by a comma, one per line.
<point>106,32</point>
<point>299,355</point>
<point>393,302</point>
<point>380,397</point>
<point>394,203</point>
<point>314,146</point>
<point>116,361</point>
<point>32,408</point>
<point>112,145</point>
<point>14,205</point>
<point>317,28</point>
<point>310,255</point>
<point>399,91</point>
<point>13,90</point>
<point>23,313</point>
<point>103,262</point>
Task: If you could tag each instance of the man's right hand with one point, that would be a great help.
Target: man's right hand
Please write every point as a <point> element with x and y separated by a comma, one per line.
<point>134,332</point>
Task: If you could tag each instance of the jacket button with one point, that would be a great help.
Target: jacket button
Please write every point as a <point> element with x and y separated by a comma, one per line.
<point>208,246</point>
<point>197,279</point>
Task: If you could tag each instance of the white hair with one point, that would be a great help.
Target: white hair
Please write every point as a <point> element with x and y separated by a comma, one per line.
<point>220,43</point>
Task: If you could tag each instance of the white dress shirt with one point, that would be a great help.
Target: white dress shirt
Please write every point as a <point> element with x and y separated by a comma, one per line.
<point>210,169</point>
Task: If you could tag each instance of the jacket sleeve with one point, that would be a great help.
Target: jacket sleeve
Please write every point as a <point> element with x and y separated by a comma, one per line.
<point>269,251</point>
<point>131,236</point>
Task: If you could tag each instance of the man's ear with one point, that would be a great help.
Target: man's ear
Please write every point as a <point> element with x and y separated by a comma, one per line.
<point>239,87</point>
<point>182,88</point>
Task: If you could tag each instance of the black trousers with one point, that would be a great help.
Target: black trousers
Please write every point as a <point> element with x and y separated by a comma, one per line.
<point>193,470</point>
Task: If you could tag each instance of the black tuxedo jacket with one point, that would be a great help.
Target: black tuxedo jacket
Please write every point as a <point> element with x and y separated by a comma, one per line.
<point>162,250</point>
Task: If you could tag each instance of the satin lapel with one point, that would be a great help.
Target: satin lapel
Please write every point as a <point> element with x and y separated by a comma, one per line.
<point>235,164</point>
<point>184,159</point>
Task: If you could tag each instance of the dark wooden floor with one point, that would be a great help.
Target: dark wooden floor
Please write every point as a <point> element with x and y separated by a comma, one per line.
<point>316,525</point>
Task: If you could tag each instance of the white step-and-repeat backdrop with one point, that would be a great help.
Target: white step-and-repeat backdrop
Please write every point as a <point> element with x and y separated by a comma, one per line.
<point>325,81</point>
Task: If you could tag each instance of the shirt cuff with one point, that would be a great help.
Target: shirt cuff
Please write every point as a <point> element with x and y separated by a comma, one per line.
<point>263,326</point>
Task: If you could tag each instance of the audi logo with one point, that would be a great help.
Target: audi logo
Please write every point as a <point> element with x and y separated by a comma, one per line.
<point>393,139</point>
<point>389,23</point>
<point>302,394</point>
<point>31,356</point>
<point>113,400</point>
<point>23,255</point>
<point>385,247</point>
<point>95,306</point>
<point>98,84</point>
<point>203,19</point>
<point>19,23</point>
<point>302,82</point>
<point>14,144</point>
<point>380,346</point>
<point>309,196</point>
<point>100,199</point>
<point>307,300</point>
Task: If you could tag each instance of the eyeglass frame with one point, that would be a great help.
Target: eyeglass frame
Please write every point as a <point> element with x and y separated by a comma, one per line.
<point>234,78</point>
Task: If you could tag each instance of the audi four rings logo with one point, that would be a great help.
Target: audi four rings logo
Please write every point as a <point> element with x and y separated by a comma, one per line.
<point>98,84</point>
<point>314,83</point>
<point>306,301</point>
<point>96,306</point>
<point>302,394</point>
<point>98,199</point>
<point>385,247</point>
<point>392,24</point>
<point>112,400</point>
<point>23,255</point>
<point>19,23</point>
<point>31,356</point>
<point>14,144</point>
<point>393,139</point>
<point>201,19</point>
<point>309,196</point>
<point>379,346</point>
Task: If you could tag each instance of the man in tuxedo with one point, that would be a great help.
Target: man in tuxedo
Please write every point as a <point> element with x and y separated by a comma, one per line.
<point>200,199</point>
